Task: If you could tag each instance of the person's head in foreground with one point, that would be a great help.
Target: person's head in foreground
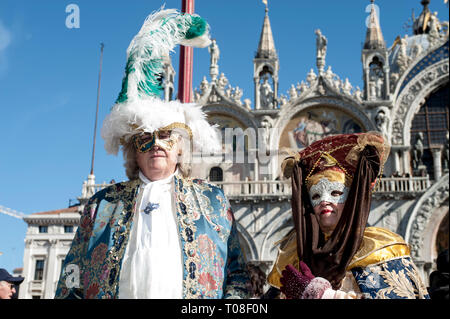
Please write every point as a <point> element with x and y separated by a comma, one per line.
<point>8,283</point>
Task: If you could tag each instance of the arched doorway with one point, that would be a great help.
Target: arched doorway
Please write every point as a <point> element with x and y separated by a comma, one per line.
<point>216,174</point>
<point>441,243</point>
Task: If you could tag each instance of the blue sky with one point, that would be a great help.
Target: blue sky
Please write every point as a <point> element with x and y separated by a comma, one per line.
<point>49,74</point>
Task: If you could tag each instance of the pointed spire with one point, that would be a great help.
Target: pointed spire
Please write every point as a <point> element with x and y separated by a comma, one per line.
<point>421,23</point>
<point>266,46</point>
<point>374,37</point>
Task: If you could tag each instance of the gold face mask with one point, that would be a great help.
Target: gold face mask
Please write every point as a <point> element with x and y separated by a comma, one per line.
<point>165,139</point>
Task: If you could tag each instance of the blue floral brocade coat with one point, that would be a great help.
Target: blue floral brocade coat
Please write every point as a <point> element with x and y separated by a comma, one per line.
<point>213,263</point>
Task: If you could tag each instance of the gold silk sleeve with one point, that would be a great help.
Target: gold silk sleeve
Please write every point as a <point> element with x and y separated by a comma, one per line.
<point>287,255</point>
<point>378,245</point>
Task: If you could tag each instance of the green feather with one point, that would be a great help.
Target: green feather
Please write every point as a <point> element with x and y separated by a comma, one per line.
<point>152,69</point>
<point>197,28</point>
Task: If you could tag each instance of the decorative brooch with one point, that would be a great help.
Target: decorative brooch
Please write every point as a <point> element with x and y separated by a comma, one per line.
<point>150,207</point>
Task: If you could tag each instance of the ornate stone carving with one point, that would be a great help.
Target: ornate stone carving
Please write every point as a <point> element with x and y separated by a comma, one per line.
<point>429,201</point>
<point>434,35</point>
<point>293,92</point>
<point>311,78</point>
<point>248,104</point>
<point>282,100</point>
<point>411,96</point>
<point>397,132</point>
<point>403,60</point>
<point>222,82</point>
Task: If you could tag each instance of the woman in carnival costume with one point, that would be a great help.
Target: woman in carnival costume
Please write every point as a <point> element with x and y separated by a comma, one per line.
<point>162,234</point>
<point>330,253</point>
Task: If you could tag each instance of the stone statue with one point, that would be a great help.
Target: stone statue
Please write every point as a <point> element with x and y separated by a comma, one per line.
<point>358,94</point>
<point>223,81</point>
<point>329,74</point>
<point>248,104</point>
<point>215,52</point>
<point>311,78</point>
<point>236,95</point>
<point>321,49</point>
<point>376,79</point>
<point>321,43</point>
<point>382,120</point>
<point>418,152</point>
<point>435,25</point>
<point>267,125</point>
<point>204,85</point>
<point>266,94</point>
<point>347,87</point>
<point>302,87</point>
<point>283,100</point>
<point>293,92</point>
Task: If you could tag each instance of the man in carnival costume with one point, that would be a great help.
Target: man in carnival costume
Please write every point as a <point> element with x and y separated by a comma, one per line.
<point>330,253</point>
<point>161,234</point>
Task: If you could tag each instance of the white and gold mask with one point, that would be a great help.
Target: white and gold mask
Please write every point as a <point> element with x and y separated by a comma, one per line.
<point>328,191</point>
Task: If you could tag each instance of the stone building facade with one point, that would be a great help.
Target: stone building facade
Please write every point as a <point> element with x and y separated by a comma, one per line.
<point>405,96</point>
<point>47,242</point>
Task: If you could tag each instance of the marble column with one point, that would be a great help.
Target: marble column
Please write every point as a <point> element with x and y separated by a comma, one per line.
<point>436,150</point>
<point>406,162</point>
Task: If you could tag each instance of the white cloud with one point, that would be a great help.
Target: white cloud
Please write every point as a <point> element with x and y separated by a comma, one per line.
<point>5,40</point>
<point>5,37</point>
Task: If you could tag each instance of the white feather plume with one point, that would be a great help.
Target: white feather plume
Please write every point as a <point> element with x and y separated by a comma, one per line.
<point>160,33</point>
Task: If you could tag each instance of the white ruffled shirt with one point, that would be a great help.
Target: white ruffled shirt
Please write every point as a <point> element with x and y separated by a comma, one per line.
<point>152,266</point>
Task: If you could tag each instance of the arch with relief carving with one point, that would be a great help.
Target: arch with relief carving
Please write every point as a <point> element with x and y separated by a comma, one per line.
<point>279,228</point>
<point>412,97</point>
<point>248,244</point>
<point>425,220</point>
<point>236,112</point>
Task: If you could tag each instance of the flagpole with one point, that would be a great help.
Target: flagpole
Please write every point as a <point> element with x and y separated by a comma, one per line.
<point>186,62</point>
<point>96,112</point>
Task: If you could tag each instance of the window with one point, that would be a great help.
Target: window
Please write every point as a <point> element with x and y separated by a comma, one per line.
<point>43,229</point>
<point>35,297</point>
<point>39,269</point>
<point>62,265</point>
<point>216,174</point>
<point>432,121</point>
<point>68,228</point>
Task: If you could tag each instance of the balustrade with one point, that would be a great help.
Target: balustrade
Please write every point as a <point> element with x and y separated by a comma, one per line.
<point>282,189</point>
